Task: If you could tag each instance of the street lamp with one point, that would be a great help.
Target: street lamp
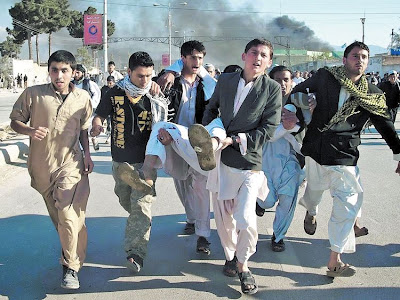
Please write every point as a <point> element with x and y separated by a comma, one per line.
<point>362,22</point>
<point>169,26</point>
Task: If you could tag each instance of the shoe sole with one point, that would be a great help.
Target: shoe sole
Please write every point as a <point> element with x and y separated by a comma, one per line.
<point>70,287</point>
<point>310,228</point>
<point>200,140</point>
<point>132,178</point>
<point>347,272</point>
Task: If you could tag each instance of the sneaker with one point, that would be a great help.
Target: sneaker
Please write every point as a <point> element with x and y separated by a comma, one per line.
<point>132,178</point>
<point>203,246</point>
<point>189,228</point>
<point>277,246</point>
<point>95,143</point>
<point>70,279</point>
<point>200,140</point>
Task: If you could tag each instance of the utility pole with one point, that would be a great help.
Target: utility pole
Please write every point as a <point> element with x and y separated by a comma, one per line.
<point>362,22</point>
<point>105,36</point>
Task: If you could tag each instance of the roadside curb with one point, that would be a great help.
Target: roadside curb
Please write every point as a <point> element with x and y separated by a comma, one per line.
<point>12,149</point>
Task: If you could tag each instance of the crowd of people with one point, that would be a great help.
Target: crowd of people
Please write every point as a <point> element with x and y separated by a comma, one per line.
<point>242,141</point>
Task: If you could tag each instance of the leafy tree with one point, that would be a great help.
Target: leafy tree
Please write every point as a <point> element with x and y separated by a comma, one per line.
<point>54,15</point>
<point>75,28</point>
<point>10,48</point>
<point>24,13</point>
<point>83,56</point>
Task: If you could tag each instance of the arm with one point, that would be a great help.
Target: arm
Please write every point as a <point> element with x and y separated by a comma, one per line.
<point>87,160</point>
<point>38,133</point>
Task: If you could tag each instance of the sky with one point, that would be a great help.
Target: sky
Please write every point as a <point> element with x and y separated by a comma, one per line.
<point>331,23</point>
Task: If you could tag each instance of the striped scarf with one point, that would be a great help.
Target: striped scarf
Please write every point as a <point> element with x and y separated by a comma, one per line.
<point>373,103</point>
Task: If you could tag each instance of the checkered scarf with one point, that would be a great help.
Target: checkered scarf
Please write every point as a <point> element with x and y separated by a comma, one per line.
<point>374,103</point>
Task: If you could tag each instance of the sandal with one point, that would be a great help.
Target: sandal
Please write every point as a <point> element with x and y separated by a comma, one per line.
<point>136,264</point>
<point>203,246</point>
<point>230,267</point>
<point>248,283</point>
<point>360,231</point>
<point>189,228</point>
<point>341,270</point>
<point>310,224</point>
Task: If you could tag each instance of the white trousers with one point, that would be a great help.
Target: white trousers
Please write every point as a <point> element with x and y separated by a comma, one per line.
<point>236,219</point>
<point>347,193</point>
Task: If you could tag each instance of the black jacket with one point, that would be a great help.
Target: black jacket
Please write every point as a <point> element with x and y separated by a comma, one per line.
<point>175,96</point>
<point>338,145</point>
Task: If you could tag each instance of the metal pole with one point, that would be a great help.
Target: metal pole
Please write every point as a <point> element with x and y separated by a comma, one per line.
<point>170,34</point>
<point>105,44</point>
<point>362,22</point>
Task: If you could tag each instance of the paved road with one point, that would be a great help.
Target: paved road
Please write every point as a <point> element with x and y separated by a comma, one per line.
<point>29,247</point>
<point>7,100</point>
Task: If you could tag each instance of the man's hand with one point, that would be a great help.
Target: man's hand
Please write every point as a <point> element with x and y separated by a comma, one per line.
<point>96,130</point>
<point>39,133</point>
<point>398,168</point>
<point>166,81</point>
<point>289,119</point>
<point>87,160</point>
<point>312,102</point>
<point>154,89</point>
<point>226,142</point>
<point>164,137</point>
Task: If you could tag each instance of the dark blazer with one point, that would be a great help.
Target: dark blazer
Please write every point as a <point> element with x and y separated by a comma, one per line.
<point>338,145</point>
<point>258,117</point>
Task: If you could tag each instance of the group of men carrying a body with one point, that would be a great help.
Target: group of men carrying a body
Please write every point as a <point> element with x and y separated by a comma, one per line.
<point>246,123</point>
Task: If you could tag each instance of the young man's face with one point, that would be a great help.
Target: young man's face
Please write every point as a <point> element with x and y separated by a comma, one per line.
<point>392,78</point>
<point>284,78</point>
<point>110,83</point>
<point>111,68</point>
<point>60,74</point>
<point>257,59</point>
<point>141,76</point>
<point>192,62</point>
<point>78,75</point>
<point>356,61</point>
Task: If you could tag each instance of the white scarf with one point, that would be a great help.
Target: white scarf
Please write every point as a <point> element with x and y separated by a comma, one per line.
<point>159,104</point>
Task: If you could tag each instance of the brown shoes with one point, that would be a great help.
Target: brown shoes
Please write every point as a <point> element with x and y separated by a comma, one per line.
<point>132,178</point>
<point>200,140</point>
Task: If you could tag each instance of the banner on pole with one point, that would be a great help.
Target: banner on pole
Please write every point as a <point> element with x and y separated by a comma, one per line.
<point>93,29</point>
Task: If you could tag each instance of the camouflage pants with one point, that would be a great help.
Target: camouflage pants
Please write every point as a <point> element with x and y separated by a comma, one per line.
<point>138,205</point>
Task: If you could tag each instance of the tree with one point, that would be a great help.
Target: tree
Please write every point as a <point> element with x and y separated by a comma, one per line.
<point>54,16</point>
<point>23,13</point>
<point>83,56</point>
<point>10,48</point>
<point>75,28</point>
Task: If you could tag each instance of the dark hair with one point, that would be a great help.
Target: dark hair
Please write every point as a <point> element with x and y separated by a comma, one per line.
<point>140,59</point>
<point>111,63</point>
<point>64,57</point>
<point>279,69</point>
<point>80,67</point>
<point>188,47</point>
<point>233,68</point>
<point>110,78</point>
<point>261,41</point>
<point>353,45</point>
